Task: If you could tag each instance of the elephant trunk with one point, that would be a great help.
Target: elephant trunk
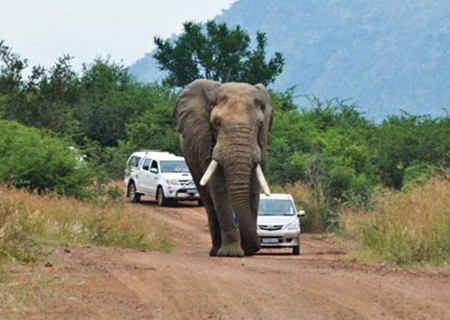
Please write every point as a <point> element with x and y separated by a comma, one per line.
<point>238,180</point>
<point>238,168</point>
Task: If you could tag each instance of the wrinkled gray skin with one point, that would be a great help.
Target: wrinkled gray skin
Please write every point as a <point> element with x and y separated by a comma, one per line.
<point>230,124</point>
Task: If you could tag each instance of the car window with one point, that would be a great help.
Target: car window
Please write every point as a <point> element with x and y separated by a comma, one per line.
<point>272,207</point>
<point>174,166</point>
<point>134,161</point>
<point>154,165</point>
<point>146,164</point>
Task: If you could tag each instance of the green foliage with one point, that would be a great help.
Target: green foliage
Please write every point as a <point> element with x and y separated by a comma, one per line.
<point>35,160</point>
<point>326,146</point>
<point>418,173</point>
<point>214,51</point>
<point>43,100</point>
<point>329,146</point>
<point>155,129</point>
<point>402,141</point>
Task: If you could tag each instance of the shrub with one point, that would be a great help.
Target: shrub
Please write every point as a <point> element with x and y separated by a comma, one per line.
<point>33,159</point>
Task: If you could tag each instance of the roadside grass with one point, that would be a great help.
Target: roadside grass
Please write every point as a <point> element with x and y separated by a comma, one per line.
<point>411,227</point>
<point>26,288</point>
<point>319,216</point>
<point>32,226</point>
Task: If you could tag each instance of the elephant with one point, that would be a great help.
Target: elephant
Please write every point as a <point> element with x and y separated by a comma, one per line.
<point>223,131</point>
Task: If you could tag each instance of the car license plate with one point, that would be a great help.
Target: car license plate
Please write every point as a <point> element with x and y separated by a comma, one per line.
<point>193,191</point>
<point>270,240</point>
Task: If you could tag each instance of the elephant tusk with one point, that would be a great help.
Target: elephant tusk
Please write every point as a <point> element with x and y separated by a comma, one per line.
<point>262,180</point>
<point>209,172</point>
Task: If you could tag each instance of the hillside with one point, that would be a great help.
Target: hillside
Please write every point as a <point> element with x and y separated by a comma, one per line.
<point>385,55</point>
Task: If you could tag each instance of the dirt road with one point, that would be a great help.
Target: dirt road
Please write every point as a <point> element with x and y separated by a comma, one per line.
<point>322,283</point>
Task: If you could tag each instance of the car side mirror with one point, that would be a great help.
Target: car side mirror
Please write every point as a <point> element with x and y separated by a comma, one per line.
<point>154,170</point>
<point>145,167</point>
<point>301,213</point>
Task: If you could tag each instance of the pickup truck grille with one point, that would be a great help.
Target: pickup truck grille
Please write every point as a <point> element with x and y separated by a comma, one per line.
<point>186,184</point>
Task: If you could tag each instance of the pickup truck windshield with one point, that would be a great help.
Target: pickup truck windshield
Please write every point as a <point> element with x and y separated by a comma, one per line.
<point>275,208</point>
<point>174,166</point>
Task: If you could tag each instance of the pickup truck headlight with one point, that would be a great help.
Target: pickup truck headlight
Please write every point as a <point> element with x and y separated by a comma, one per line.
<point>173,182</point>
<point>293,226</point>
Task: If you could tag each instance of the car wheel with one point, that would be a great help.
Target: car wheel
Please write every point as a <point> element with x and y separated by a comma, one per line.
<point>296,249</point>
<point>162,200</point>
<point>133,195</point>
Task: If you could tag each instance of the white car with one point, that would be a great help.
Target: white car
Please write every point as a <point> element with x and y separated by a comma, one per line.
<point>279,222</point>
<point>160,174</point>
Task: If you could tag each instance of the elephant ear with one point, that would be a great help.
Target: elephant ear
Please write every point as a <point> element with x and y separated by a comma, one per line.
<point>192,112</point>
<point>264,99</point>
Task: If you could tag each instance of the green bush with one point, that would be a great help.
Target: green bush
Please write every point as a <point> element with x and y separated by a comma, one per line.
<point>33,159</point>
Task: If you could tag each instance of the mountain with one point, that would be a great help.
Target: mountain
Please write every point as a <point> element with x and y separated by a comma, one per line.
<point>383,55</point>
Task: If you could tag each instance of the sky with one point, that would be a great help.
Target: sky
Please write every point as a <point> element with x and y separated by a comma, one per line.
<point>42,30</point>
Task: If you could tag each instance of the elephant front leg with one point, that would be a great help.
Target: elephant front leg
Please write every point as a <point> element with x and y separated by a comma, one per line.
<point>213,222</point>
<point>231,243</point>
<point>230,236</point>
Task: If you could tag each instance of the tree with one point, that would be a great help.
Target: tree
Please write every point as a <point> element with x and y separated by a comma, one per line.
<point>216,52</point>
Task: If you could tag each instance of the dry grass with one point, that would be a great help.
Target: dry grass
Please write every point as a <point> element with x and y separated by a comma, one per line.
<point>318,215</point>
<point>405,227</point>
<point>32,225</point>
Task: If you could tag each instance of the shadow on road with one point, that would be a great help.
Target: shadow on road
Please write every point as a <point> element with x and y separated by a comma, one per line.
<point>274,253</point>
<point>184,204</point>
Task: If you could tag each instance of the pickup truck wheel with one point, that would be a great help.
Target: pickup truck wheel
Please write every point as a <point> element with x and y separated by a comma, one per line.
<point>162,200</point>
<point>133,195</point>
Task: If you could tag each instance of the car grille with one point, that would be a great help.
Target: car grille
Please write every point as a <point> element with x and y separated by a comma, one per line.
<point>186,184</point>
<point>270,228</point>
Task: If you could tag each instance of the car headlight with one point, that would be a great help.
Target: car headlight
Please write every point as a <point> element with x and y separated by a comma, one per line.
<point>293,226</point>
<point>173,182</point>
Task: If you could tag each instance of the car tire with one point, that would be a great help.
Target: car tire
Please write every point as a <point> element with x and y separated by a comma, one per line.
<point>133,195</point>
<point>162,200</point>
<point>296,249</point>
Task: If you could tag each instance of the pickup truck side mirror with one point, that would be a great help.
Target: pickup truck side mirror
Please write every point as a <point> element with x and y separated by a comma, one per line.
<point>145,167</point>
<point>301,213</point>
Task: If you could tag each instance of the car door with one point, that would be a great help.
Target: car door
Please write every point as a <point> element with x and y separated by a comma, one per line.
<point>144,177</point>
<point>154,174</point>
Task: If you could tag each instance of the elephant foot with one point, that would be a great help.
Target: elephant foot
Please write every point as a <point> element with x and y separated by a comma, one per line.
<point>213,251</point>
<point>231,250</point>
<point>251,250</point>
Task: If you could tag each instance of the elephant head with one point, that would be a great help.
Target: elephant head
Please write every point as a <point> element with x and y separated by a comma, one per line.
<point>223,134</point>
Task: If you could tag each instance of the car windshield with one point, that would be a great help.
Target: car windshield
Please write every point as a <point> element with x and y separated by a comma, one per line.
<point>174,166</point>
<point>272,207</point>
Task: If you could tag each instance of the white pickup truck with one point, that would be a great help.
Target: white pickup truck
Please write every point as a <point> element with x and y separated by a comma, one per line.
<point>160,174</point>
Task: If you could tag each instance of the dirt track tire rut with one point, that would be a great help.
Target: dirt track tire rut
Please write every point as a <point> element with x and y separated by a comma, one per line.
<point>321,283</point>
